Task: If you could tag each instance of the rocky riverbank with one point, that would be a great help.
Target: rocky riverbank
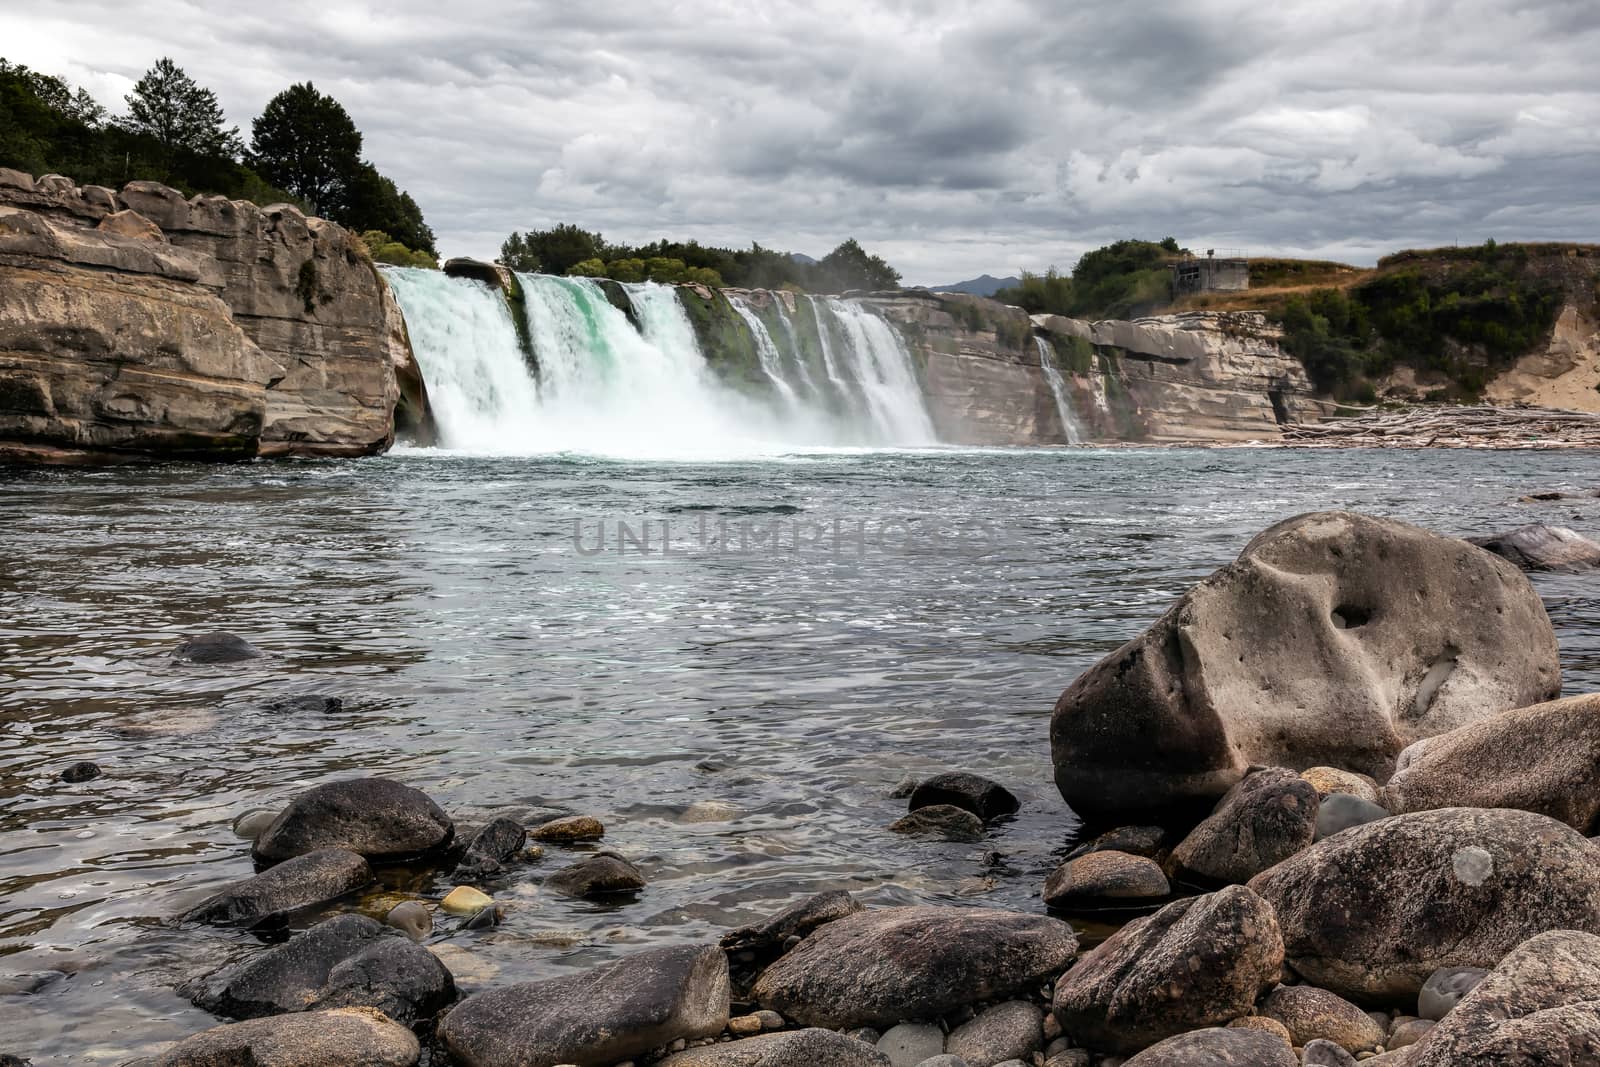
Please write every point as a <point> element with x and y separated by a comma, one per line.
<point>1357,718</point>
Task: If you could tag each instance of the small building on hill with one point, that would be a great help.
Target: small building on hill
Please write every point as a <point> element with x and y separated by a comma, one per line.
<point>1196,275</point>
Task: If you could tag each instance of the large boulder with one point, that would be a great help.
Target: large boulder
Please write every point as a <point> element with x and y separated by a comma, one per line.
<point>599,1017</point>
<point>374,817</point>
<point>1545,759</point>
<point>1200,961</point>
<point>1540,1005</point>
<point>337,1038</point>
<point>303,882</point>
<point>349,961</point>
<point>888,964</point>
<point>1371,912</point>
<point>791,1048</point>
<point>1218,1047</point>
<point>1543,548</point>
<point>1335,639</point>
<point>1268,817</point>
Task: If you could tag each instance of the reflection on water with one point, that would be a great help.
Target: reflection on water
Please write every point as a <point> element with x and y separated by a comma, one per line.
<point>483,654</point>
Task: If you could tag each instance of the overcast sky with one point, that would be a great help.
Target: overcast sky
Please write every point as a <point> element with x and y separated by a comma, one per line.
<point>954,138</point>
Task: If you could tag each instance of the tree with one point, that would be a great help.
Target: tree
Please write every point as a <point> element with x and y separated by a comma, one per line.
<point>376,203</point>
<point>556,250</point>
<point>517,254</point>
<point>169,106</point>
<point>850,267</point>
<point>306,142</point>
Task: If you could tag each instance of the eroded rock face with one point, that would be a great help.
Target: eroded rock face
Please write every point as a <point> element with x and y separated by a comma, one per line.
<point>1335,639</point>
<point>888,964</point>
<point>1198,962</point>
<point>1371,912</point>
<point>1262,821</point>
<point>311,1039</point>
<point>318,877</point>
<point>600,1017</point>
<point>1545,758</point>
<point>373,817</point>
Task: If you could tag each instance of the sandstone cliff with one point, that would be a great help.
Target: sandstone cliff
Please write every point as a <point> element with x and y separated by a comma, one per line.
<point>143,324</point>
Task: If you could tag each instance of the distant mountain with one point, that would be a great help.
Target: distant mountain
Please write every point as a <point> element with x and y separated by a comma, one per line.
<point>986,285</point>
<point>801,257</point>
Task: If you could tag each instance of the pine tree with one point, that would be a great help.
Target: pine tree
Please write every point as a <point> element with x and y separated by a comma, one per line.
<point>170,107</point>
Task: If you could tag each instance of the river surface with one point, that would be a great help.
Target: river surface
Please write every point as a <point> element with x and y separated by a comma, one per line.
<point>736,709</point>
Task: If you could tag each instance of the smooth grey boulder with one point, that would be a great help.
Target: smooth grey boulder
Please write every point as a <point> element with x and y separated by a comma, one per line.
<point>1544,758</point>
<point>596,1018</point>
<point>889,964</point>
<point>1013,1030</point>
<point>941,820</point>
<point>1371,912</point>
<point>303,882</point>
<point>1217,1047</point>
<point>1540,1005</point>
<point>1104,877</point>
<point>215,648</point>
<point>1268,817</point>
<point>491,848</point>
<point>1543,548</point>
<point>1340,811</point>
<point>984,798</point>
<point>339,1038</point>
<point>797,920</point>
<point>1198,962</point>
<point>1321,1052</point>
<point>1335,639</point>
<point>411,918</point>
<point>791,1048</point>
<point>374,817</point>
<point>349,961</point>
<point>1444,989</point>
<point>1309,1013</point>
<point>603,874</point>
<point>909,1044</point>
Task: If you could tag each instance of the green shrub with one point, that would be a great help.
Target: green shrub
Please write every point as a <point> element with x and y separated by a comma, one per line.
<point>589,268</point>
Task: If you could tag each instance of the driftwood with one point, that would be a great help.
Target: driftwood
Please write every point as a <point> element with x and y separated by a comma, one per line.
<point>1441,426</point>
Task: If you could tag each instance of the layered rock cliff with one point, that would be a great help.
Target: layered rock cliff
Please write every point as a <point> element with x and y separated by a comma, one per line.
<point>144,324</point>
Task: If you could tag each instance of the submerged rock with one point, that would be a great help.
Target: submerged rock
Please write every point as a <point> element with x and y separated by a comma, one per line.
<point>1543,548</point>
<point>375,817</point>
<point>410,918</point>
<point>490,849</point>
<point>1098,878</point>
<point>306,881</point>
<point>1218,1047</point>
<point>306,704</point>
<point>984,798</point>
<point>1336,639</point>
<point>599,1017</point>
<point>1268,817</point>
<point>1371,912</point>
<point>600,875</point>
<point>338,1038</point>
<point>216,648</point>
<point>941,820</point>
<point>888,964</point>
<point>82,771</point>
<point>792,1048</point>
<point>464,901</point>
<point>797,920</point>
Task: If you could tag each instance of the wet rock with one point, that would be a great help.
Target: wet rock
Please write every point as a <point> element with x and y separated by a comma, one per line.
<point>1200,961</point>
<point>1544,758</point>
<point>611,1013</point>
<point>375,817</point>
<point>349,961</point>
<point>1323,1053</point>
<point>903,788</point>
<point>1454,887</point>
<point>410,918</point>
<point>908,1044</point>
<point>1101,877</point>
<point>984,798</point>
<point>797,920</point>
<point>491,848</point>
<point>483,918</point>
<point>600,875</point>
<point>82,771</point>
<point>1540,1005</point>
<point>309,1039</point>
<point>1217,1047</point>
<point>793,1048</point>
<point>1336,639</point>
<point>1013,1030</point>
<point>1148,841</point>
<point>216,648</point>
<point>306,704</point>
<point>942,820</point>
<point>888,964</point>
<point>1310,1013</point>
<point>1340,811</point>
<point>570,829</point>
<point>1331,780</point>
<point>1543,548</point>
<point>708,811</point>
<point>306,881</point>
<point>250,824</point>
<point>464,900</point>
<point>1444,989</point>
<point>1262,821</point>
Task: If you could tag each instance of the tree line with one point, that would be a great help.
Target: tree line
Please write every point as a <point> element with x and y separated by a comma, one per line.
<point>304,148</point>
<point>1121,280</point>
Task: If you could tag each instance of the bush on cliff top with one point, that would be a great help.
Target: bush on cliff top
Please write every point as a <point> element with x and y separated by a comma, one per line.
<point>1124,279</point>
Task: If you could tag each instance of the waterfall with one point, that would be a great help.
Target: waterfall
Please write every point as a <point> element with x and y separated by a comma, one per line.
<point>1058,387</point>
<point>636,384</point>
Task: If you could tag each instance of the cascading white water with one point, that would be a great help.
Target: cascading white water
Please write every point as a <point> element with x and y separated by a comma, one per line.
<point>883,369</point>
<point>1058,387</point>
<point>766,350</point>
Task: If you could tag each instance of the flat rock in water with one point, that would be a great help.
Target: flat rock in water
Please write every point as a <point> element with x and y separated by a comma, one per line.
<point>1197,962</point>
<point>569,829</point>
<point>797,920</point>
<point>1268,817</point>
<point>306,704</point>
<point>1544,758</point>
<point>984,798</point>
<point>491,848</point>
<point>890,964</point>
<point>1097,878</point>
<point>1309,1013</point>
<point>941,820</point>
<point>338,1038</point>
<point>611,1013</point>
<point>305,881</point>
<point>215,648</point>
<point>374,817</point>
<point>792,1048</point>
<point>349,961</point>
<point>1454,887</point>
<point>1013,1030</point>
<point>600,875</point>
<point>1540,1005</point>
<point>1380,634</point>
<point>1543,548</point>
<point>1214,1047</point>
